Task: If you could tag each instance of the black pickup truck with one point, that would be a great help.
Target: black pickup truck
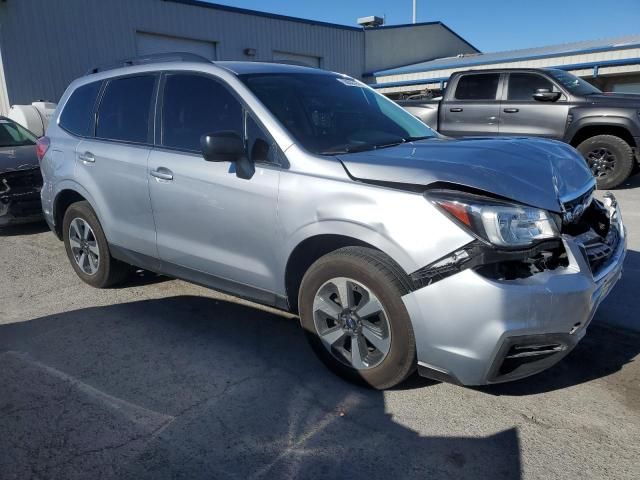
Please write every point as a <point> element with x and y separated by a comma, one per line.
<point>604,127</point>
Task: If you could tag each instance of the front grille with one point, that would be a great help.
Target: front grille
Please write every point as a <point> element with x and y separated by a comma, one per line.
<point>572,210</point>
<point>598,252</point>
<point>592,229</point>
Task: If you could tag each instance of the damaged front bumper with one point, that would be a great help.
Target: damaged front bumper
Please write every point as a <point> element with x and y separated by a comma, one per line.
<point>472,330</point>
<point>20,197</point>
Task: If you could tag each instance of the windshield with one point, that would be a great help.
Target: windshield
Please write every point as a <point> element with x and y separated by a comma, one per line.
<point>575,85</point>
<point>14,135</point>
<point>330,114</point>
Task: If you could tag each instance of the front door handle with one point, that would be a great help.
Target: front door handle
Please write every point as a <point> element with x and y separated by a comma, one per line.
<point>162,173</point>
<point>511,110</point>
<point>87,157</point>
<point>456,110</point>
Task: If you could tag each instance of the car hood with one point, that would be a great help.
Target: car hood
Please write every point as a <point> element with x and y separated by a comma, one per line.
<point>18,158</point>
<point>536,172</point>
<point>631,100</point>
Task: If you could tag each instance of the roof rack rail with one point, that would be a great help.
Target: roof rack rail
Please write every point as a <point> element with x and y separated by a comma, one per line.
<point>152,58</point>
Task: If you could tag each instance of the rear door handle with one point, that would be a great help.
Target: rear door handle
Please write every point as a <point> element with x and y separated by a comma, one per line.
<point>162,173</point>
<point>456,110</point>
<point>87,157</point>
<point>511,110</point>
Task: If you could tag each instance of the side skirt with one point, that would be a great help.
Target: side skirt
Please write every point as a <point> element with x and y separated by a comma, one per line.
<point>203,279</point>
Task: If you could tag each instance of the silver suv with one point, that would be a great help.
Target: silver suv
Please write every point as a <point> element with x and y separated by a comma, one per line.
<point>475,261</point>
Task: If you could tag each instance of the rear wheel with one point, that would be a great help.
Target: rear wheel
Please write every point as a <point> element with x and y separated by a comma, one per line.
<point>352,312</point>
<point>87,248</point>
<point>610,159</point>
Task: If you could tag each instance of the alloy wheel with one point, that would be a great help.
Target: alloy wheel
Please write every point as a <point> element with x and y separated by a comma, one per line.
<point>352,323</point>
<point>84,246</point>
<point>601,161</point>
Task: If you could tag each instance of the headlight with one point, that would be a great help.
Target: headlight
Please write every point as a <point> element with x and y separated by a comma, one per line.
<point>500,223</point>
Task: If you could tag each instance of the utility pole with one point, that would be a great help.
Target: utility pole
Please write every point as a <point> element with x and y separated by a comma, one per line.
<point>415,10</point>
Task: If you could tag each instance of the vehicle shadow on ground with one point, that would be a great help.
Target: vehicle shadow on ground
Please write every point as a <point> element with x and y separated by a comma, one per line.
<point>191,387</point>
<point>24,229</point>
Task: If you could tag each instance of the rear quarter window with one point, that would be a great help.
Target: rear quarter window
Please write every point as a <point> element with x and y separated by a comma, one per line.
<point>125,109</point>
<point>76,117</point>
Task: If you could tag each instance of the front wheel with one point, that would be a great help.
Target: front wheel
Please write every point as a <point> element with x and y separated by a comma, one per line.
<point>610,159</point>
<point>352,312</point>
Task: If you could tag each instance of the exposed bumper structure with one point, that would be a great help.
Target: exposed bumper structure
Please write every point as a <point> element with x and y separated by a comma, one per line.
<point>20,197</point>
<point>474,330</point>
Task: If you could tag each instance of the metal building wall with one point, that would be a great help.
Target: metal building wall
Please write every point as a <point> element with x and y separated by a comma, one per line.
<point>395,45</point>
<point>48,43</point>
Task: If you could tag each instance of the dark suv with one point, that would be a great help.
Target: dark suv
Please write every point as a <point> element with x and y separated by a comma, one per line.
<point>604,127</point>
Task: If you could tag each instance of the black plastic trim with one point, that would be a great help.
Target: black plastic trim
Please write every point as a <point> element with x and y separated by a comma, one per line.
<point>197,277</point>
<point>535,366</point>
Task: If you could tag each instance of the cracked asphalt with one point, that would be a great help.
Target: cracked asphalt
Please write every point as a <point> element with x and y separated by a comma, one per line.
<point>161,379</point>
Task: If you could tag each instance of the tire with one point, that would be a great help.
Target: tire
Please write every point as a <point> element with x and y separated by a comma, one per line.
<point>108,271</point>
<point>372,276</point>
<point>610,159</point>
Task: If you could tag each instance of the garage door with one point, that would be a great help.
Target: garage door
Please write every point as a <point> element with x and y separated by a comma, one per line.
<point>296,59</point>
<point>148,43</point>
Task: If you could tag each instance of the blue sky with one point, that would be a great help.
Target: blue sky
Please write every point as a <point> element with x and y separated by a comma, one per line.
<point>490,25</point>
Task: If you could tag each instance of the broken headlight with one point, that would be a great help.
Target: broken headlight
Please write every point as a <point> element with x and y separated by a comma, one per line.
<point>503,224</point>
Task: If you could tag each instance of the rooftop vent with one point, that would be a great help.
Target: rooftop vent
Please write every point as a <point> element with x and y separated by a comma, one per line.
<point>370,22</point>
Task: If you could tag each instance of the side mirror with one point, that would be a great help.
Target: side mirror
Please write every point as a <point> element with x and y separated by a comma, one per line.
<point>224,146</point>
<point>546,95</point>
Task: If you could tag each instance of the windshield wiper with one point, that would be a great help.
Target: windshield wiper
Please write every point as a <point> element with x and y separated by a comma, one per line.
<point>415,139</point>
<point>340,149</point>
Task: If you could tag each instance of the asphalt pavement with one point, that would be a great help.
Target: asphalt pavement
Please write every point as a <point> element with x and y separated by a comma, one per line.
<point>162,379</point>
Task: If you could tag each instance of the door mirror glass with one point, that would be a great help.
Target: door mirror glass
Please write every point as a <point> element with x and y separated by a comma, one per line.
<point>224,146</point>
<point>546,95</point>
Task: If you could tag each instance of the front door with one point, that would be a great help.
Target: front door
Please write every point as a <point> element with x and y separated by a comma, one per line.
<point>208,220</point>
<point>520,114</point>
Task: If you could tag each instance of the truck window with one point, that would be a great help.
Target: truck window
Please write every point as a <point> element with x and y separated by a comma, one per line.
<point>478,87</point>
<point>522,86</point>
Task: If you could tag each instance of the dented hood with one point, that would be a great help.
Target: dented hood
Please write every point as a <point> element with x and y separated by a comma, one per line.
<point>18,158</point>
<point>532,171</point>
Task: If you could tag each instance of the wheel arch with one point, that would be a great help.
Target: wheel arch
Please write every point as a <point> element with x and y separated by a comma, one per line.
<point>307,251</point>
<point>592,127</point>
<point>68,194</point>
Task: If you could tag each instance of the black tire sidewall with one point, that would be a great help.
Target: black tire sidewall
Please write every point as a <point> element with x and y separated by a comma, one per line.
<point>84,211</point>
<point>622,151</point>
<point>401,359</point>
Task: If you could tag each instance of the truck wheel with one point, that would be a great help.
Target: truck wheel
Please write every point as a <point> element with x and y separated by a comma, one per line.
<point>354,318</point>
<point>610,159</point>
<point>87,248</point>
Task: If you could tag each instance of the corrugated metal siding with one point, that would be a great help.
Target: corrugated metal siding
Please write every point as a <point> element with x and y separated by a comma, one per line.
<point>411,43</point>
<point>4,97</point>
<point>630,53</point>
<point>74,35</point>
<point>603,46</point>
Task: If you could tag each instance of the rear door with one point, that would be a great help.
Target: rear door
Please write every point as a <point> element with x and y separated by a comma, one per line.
<point>520,114</point>
<point>113,164</point>
<point>473,107</point>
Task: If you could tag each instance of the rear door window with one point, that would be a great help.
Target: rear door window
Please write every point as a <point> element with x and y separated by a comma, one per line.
<point>76,117</point>
<point>478,87</point>
<point>522,86</point>
<point>195,105</point>
<point>126,109</point>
